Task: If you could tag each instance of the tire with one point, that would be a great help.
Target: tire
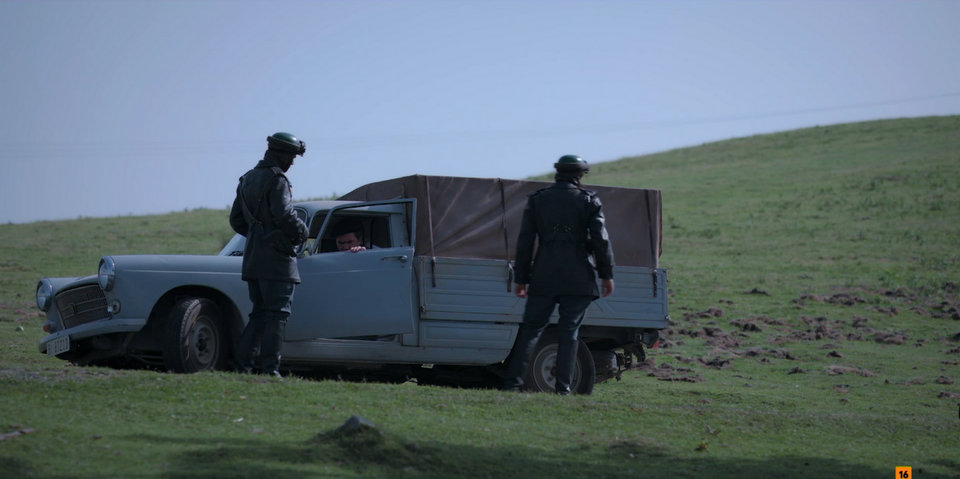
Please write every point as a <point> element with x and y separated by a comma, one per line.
<point>542,368</point>
<point>193,337</point>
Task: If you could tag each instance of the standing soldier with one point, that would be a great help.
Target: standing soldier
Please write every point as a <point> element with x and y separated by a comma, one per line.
<point>262,212</point>
<point>566,223</point>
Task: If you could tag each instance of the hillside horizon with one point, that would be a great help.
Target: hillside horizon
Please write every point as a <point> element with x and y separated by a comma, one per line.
<point>591,179</point>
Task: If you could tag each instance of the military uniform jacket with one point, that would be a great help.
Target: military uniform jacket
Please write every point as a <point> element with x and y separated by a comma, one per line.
<point>565,222</point>
<point>270,224</point>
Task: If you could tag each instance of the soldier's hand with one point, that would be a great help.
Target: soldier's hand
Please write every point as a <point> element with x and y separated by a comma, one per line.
<point>606,287</point>
<point>521,290</point>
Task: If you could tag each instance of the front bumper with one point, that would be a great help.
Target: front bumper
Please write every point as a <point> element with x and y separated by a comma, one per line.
<point>95,328</point>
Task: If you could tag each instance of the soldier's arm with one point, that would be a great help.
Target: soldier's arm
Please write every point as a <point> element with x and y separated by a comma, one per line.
<point>600,240</point>
<point>525,244</point>
<point>237,221</point>
<point>285,217</point>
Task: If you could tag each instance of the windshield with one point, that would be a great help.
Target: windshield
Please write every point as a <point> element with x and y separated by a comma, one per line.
<point>234,247</point>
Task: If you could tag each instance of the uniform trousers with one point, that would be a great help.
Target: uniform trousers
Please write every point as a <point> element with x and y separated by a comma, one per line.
<point>536,317</point>
<point>264,331</point>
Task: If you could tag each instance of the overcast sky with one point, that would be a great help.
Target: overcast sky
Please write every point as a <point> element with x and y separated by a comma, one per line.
<point>117,107</point>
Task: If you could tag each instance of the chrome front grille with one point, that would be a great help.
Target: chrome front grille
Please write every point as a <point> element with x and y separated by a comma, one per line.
<point>81,305</point>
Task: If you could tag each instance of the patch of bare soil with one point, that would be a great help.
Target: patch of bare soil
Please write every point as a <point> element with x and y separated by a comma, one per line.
<point>943,304</point>
<point>747,324</point>
<point>17,433</point>
<point>668,372</point>
<point>667,343</point>
<point>734,342</point>
<point>889,311</point>
<point>838,370</point>
<point>716,362</point>
<point>939,303</point>
<point>845,299</point>
<point>767,353</point>
<point>890,338</point>
<point>945,309</point>
<point>709,313</point>
<point>817,329</point>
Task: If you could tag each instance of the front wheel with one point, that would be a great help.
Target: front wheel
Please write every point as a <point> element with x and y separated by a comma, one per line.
<point>193,337</point>
<point>543,365</point>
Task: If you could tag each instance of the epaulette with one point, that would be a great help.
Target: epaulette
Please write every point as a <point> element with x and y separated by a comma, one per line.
<point>535,193</point>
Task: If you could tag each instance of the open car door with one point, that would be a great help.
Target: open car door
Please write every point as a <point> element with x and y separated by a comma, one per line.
<point>343,294</point>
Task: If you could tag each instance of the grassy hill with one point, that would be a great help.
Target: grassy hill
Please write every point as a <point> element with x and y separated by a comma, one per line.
<point>815,333</point>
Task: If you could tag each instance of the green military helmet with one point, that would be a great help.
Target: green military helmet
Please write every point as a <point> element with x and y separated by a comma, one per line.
<point>571,163</point>
<point>287,143</point>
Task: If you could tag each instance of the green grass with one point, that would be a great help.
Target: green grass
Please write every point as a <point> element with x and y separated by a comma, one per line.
<point>768,232</point>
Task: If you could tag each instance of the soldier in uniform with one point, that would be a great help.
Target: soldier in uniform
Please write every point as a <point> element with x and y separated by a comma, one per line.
<point>262,212</point>
<point>566,223</point>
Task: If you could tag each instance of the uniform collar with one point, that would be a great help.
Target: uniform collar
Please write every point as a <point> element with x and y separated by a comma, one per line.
<point>565,184</point>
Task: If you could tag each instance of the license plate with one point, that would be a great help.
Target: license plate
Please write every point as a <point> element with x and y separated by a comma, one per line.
<point>59,345</point>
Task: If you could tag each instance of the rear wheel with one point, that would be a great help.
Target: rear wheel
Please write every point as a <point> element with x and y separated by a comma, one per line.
<point>543,366</point>
<point>193,337</point>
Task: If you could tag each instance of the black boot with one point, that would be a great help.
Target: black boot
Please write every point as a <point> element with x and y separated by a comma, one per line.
<point>271,343</point>
<point>247,347</point>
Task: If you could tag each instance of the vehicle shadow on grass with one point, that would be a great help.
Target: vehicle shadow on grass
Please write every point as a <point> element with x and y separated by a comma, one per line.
<point>383,455</point>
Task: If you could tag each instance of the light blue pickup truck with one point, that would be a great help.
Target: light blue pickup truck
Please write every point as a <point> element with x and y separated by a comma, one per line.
<point>429,299</point>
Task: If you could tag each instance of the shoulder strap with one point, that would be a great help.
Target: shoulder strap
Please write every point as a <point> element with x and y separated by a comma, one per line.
<point>254,218</point>
<point>251,218</point>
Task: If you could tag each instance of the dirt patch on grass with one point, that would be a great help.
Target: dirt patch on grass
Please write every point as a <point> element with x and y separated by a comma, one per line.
<point>709,313</point>
<point>944,309</point>
<point>669,372</point>
<point>716,362</point>
<point>739,339</point>
<point>942,303</point>
<point>840,370</point>
<point>844,299</point>
<point>819,328</point>
<point>767,353</point>
<point>890,338</point>
<point>747,324</point>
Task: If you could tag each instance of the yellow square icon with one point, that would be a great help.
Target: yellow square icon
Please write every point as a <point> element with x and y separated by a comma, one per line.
<point>904,472</point>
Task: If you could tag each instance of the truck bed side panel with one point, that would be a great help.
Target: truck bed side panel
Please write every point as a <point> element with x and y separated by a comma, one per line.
<point>480,290</point>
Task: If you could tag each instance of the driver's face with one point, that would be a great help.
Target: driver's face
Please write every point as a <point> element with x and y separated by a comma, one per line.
<point>347,241</point>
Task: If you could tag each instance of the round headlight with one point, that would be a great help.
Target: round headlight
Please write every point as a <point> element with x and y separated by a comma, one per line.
<point>107,273</point>
<point>44,295</point>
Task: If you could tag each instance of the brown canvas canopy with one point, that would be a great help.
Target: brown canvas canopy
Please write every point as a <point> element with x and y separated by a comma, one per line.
<point>480,217</point>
